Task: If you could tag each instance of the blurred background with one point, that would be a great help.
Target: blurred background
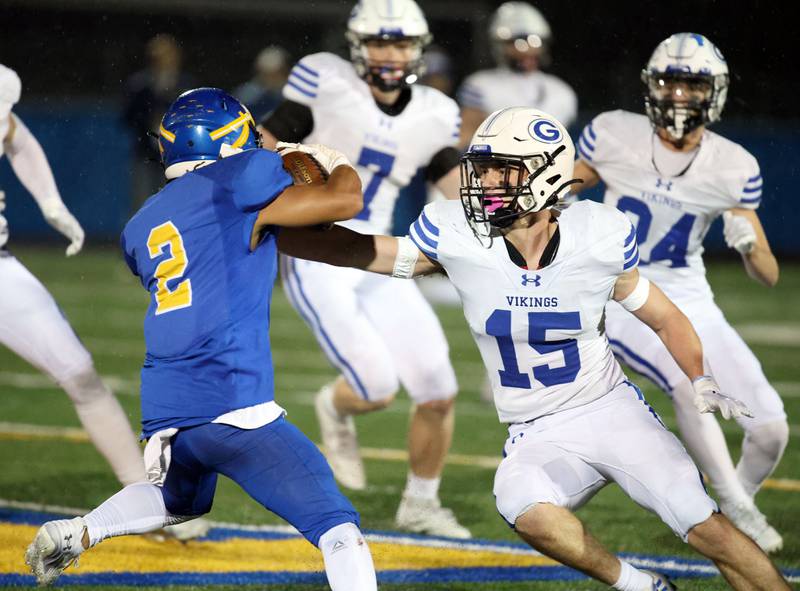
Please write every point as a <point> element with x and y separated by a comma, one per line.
<point>90,67</point>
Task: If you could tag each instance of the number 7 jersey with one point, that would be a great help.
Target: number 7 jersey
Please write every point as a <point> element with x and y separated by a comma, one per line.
<point>540,332</point>
<point>672,214</point>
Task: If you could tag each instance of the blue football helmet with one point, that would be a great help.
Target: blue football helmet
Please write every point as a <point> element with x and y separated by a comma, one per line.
<point>199,122</point>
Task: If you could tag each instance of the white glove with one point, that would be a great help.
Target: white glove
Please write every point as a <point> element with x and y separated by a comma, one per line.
<point>59,217</point>
<point>327,157</point>
<point>708,398</point>
<point>739,232</point>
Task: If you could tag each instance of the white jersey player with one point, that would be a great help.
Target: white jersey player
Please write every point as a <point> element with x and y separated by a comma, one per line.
<point>534,284</point>
<point>31,323</point>
<point>378,331</point>
<point>672,177</point>
<point>520,37</point>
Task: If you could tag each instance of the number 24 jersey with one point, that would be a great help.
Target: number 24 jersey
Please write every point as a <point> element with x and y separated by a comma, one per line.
<point>540,332</point>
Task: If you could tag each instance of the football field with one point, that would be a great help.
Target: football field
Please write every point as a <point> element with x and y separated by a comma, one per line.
<point>49,467</point>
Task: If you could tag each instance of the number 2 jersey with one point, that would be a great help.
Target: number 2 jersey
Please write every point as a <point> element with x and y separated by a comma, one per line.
<point>672,214</point>
<point>540,332</point>
<point>207,326</point>
<point>386,150</point>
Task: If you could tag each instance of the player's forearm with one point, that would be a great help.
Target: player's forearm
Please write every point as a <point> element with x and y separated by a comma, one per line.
<point>682,342</point>
<point>762,265</point>
<point>345,199</point>
<point>336,246</point>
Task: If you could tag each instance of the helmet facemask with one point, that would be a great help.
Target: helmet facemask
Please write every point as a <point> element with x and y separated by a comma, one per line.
<point>528,184</point>
<point>387,75</point>
<point>702,105</point>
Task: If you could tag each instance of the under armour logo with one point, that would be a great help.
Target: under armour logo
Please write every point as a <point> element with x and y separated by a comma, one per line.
<point>666,184</point>
<point>67,543</point>
<point>536,280</point>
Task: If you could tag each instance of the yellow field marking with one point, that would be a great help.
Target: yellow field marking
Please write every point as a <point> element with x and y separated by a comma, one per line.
<point>140,555</point>
<point>22,431</point>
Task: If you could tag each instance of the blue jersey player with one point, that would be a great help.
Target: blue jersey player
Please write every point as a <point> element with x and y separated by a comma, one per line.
<point>204,246</point>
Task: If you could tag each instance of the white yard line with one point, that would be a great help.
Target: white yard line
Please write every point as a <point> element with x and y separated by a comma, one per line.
<point>10,430</point>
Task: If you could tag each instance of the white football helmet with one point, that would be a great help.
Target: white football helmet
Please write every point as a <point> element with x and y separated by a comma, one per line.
<point>536,156</point>
<point>524,26</point>
<point>10,89</point>
<point>692,64</point>
<point>388,20</point>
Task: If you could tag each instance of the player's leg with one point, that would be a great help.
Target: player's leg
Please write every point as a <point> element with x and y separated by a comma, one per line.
<point>284,471</point>
<point>33,327</point>
<point>640,348</point>
<point>187,492</point>
<point>740,375</point>
<point>539,484</point>
<point>326,299</point>
<point>419,350</point>
<point>635,450</point>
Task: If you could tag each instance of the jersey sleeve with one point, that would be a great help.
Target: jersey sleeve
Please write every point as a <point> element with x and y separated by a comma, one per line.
<point>750,185</point>
<point>258,180</point>
<point>597,139</point>
<point>630,247</point>
<point>128,254</point>
<point>470,95</point>
<point>309,78</point>
<point>424,232</point>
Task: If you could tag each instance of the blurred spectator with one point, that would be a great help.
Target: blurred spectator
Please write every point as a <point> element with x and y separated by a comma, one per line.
<point>262,93</point>
<point>148,93</point>
<point>438,70</point>
<point>521,39</point>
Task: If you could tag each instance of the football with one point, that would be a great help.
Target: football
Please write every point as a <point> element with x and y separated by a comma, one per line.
<point>304,168</point>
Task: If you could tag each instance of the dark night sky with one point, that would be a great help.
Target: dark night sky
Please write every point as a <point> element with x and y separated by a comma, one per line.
<point>599,46</point>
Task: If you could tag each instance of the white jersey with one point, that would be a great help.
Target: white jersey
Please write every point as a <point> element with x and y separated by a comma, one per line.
<point>490,90</point>
<point>386,150</point>
<point>672,214</point>
<point>5,123</point>
<point>540,332</point>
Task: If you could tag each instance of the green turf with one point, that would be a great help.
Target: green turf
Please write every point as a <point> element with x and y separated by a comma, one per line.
<point>106,306</point>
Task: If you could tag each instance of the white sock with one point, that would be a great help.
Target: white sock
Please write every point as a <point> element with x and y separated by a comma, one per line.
<point>705,442</point>
<point>422,488</point>
<point>632,579</point>
<point>107,425</point>
<point>762,449</point>
<point>348,562</point>
<point>327,400</point>
<point>136,509</point>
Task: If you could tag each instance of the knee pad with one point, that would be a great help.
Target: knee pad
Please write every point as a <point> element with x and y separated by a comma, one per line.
<point>515,494</point>
<point>381,385</point>
<point>85,387</point>
<point>770,438</point>
<point>434,383</point>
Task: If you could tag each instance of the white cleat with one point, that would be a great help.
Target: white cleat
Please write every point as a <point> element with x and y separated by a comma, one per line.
<point>340,442</point>
<point>188,530</point>
<point>660,582</point>
<point>57,545</point>
<point>752,523</point>
<point>427,516</point>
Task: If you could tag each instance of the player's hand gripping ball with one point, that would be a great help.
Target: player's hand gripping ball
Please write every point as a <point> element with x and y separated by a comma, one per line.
<point>303,168</point>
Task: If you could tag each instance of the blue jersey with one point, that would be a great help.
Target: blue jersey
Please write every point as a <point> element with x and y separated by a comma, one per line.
<point>207,326</point>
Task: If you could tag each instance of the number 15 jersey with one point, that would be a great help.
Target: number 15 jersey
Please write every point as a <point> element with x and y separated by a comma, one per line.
<point>540,332</point>
<point>672,213</point>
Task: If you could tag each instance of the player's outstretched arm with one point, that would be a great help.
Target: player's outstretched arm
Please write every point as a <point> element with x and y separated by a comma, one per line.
<point>649,304</point>
<point>30,164</point>
<point>387,255</point>
<point>308,205</point>
<point>744,233</point>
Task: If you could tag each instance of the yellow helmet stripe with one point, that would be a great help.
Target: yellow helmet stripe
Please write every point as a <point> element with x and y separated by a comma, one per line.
<point>226,129</point>
<point>240,141</point>
<point>167,135</point>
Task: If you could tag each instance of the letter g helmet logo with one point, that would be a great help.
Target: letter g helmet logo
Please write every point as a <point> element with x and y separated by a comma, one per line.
<point>545,131</point>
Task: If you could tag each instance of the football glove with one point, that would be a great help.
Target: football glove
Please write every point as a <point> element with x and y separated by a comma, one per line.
<point>58,216</point>
<point>708,398</point>
<point>739,232</point>
<point>327,157</point>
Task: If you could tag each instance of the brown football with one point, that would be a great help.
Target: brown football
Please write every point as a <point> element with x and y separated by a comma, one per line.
<point>304,168</point>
